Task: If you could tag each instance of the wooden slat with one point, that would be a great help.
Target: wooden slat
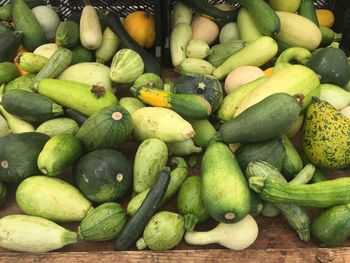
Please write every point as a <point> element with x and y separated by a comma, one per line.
<point>216,255</point>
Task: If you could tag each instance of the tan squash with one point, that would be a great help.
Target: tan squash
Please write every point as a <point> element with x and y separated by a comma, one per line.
<point>204,29</point>
<point>140,26</point>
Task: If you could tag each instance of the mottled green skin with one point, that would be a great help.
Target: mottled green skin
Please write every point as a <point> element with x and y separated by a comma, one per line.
<point>103,223</point>
<point>164,231</point>
<point>104,175</point>
<point>326,137</point>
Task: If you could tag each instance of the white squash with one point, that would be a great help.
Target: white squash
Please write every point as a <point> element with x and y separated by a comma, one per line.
<point>90,28</point>
<point>90,73</point>
<point>204,29</point>
<point>46,50</point>
<point>242,75</point>
<point>48,20</point>
<point>339,98</point>
<point>236,236</point>
<point>229,32</point>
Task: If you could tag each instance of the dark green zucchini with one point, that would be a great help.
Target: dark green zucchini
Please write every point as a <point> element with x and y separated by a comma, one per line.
<point>4,29</point>
<point>19,154</point>
<point>272,151</point>
<point>30,106</point>
<point>137,223</point>
<point>8,72</point>
<point>104,175</point>
<point>114,23</point>
<point>332,227</point>
<point>9,43</point>
<point>78,117</point>
<point>205,8</point>
<point>81,54</point>
<point>308,10</point>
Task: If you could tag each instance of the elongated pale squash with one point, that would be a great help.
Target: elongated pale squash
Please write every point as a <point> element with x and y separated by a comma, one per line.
<point>161,123</point>
<point>90,28</point>
<point>293,79</point>
<point>256,53</point>
<point>298,31</point>
<point>179,37</point>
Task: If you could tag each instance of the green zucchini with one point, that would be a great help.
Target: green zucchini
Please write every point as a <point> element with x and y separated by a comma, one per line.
<point>150,80</point>
<point>177,177</point>
<point>76,116</point>
<point>67,34</point>
<point>323,194</point>
<point>205,8</point>
<point>131,104</point>
<point>8,72</point>
<point>220,52</point>
<point>81,54</point>
<point>304,176</point>
<point>271,151</point>
<point>292,163</point>
<point>204,132</point>
<point>257,205</point>
<point>84,98</point>
<point>257,53</point>
<point>59,61</point>
<point>151,157</point>
<point>332,227</point>
<point>19,154</point>
<point>26,22</point>
<point>30,106</point>
<point>58,126</point>
<point>102,223</point>
<point>225,192</point>
<point>33,234</point>
<point>4,28</point>
<point>103,175</point>
<point>163,232</point>
<point>190,204</point>
<point>263,15</point>
<point>51,198</point>
<point>59,153</point>
<point>30,62</point>
<point>9,42</point>
<point>114,23</point>
<point>262,121</point>
<point>307,9</point>
<point>296,216</point>
<point>136,224</point>
<point>24,82</point>
<point>187,105</point>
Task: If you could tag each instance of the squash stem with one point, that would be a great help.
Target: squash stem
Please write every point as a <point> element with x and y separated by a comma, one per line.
<point>257,183</point>
<point>69,237</point>
<point>86,2</point>
<point>141,244</point>
<point>57,109</point>
<point>190,221</point>
<point>338,37</point>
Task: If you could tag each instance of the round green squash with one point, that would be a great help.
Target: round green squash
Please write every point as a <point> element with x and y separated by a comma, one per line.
<point>203,85</point>
<point>104,175</point>
<point>103,223</point>
<point>19,154</point>
<point>110,127</point>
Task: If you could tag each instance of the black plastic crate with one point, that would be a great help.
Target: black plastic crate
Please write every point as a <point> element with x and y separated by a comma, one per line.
<point>67,8</point>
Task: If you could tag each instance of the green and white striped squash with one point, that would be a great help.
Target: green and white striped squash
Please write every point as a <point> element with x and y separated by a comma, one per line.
<point>127,65</point>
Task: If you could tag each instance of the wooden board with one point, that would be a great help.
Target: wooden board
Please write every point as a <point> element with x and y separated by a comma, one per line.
<point>276,242</point>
